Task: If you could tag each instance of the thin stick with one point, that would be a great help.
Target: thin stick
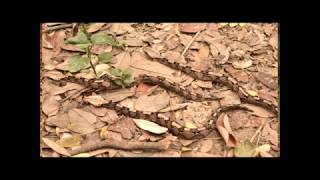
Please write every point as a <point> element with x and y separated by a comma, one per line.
<point>124,145</point>
<point>54,28</point>
<point>189,44</point>
<point>259,130</point>
<point>89,56</point>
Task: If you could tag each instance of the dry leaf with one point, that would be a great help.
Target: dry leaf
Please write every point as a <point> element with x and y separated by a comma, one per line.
<point>145,89</point>
<point>111,117</point>
<point>246,149</point>
<point>69,141</point>
<point>192,27</point>
<point>123,60</point>
<point>218,50</point>
<point>125,126</point>
<point>203,84</point>
<point>95,100</point>
<point>190,125</point>
<point>70,86</point>
<point>50,105</point>
<point>267,80</point>
<point>270,135</point>
<point>259,111</point>
<point>224,129</point>
<point>121,28</point>
<point>263,151</point>
<point>101,48</point>
<point>86,115</point>
<point>152,52</point>
<point>206,145</point>
<point>118,95</point>
<point>95,27</point>
<point>81,127</point>
<point>229,97</point>
<point>98,111</point>
<point>168,153</point>
<point>242,64</point>
<point>61,120</point>
<point>150,126</point>
<point>152,103</point>
<point>57,148</point>
<point>174,107</point>
<point>56,75</point>
<point>133,42</point>
<point>198,154</point>
<point>174,56</point>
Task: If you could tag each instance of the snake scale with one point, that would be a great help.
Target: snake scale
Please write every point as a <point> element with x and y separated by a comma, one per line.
<point>175,128</point>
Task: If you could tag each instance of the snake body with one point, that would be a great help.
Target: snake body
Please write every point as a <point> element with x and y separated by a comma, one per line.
<point>174,127</point>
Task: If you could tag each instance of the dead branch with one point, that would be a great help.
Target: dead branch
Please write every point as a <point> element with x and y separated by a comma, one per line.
<point>124,145</point>
<point>54,28</point>
<point>189,44</point>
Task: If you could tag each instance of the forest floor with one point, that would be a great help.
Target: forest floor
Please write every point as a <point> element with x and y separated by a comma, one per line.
<point>245,52</point>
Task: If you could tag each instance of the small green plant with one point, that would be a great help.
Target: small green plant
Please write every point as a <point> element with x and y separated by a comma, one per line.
<point>85,41</point>
<point>122,77</point>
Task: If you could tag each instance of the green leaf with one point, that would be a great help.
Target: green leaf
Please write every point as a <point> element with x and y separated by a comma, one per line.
<point>80,38</point>
<point>127,71</point>
<point>118,82</point>
<point>105,57</point>
<point>76,63</point>
<point>115,72</point>
<point>83,46</point>
<point>246,149</point>
<point>128,81</point>
<point>102,38</point>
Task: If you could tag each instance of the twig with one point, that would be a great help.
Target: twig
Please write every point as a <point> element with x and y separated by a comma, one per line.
<point>74,95</point>
<point>189,44</point>
<point>89,56</point>
<point>124,145</point>
<point>54,28</point>
<point>259,130</point>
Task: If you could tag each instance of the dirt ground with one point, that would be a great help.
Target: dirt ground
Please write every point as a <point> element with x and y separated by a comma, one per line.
<point>246,52</point>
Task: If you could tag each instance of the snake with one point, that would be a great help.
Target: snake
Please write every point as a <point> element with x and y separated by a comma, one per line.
<point>175,128</point>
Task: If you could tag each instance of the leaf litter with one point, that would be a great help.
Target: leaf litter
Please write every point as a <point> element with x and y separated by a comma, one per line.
<point>246,51</point>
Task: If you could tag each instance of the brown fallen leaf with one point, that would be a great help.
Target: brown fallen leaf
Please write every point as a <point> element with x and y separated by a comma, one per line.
<point>68,87</point>
<point>239,75</point>
<point>54,146</point>
<point>98,111</point>
<point>152,52</point>
<point>123,60</point>
<point>86,115</point>
<point>95,27</point>
<point>242,64</point>
<point>152,103</point>
<point>168,153</point>
<point>56,75</point>
<point>259,111</point>
<point>206,145</point>
<point>172,42</point>
<point>50,105</point>
<point>60,120</point>
<point>120,28</point>
<point>198,154</point>
<point>150,126</point>
<point>95,100</point>
<point>101,48</point>
<point>270,135</point>
<point>110,117</point>
<point>106,134</point>
<point>273,41</point>
<point>192,27</point>
<point>229,97</point>
<point>267,80</point>
<point>174,56</point>
<point>219,52</point>
<point>81,127</point>
<point>125,126</point>
<point>225,131</point>
<point>144,89</point>
<point>174,107</point>
<point>118,95</point>
<point>135,42</point>
<point>203,84</point>
<point>67,140</point>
